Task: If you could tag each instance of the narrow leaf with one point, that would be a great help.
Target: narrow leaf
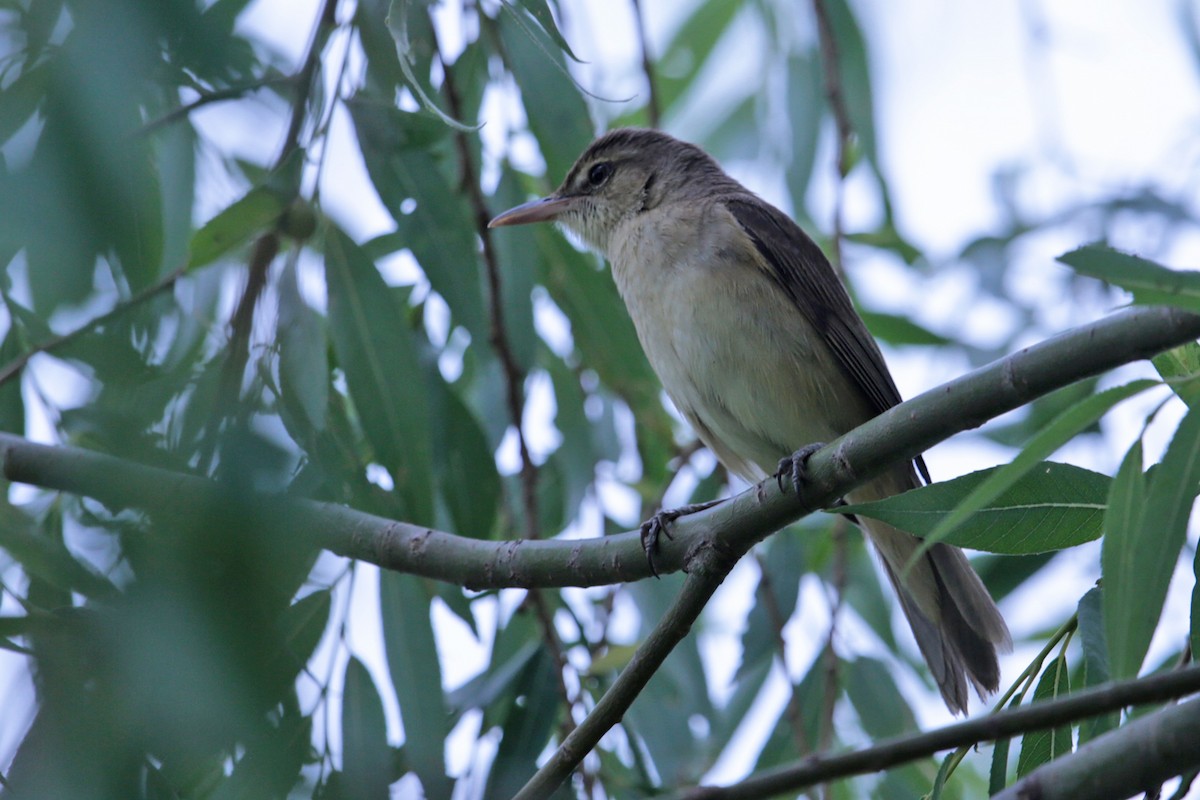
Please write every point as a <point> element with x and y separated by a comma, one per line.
<point>303,353</point>
<point>1143,543</point>
<point>416,673</point>
<point>557,114</point>
<point>880,704</point>
<point>526,730</point>
<point>898,330</point>
<point>1180,367</point>
<point>1095,660</point>
<point>540,11</point>
<point>366,757</point>
<point>1150,283</point>
<point>1039,747</point>
<point>397,22</point>
<point>383,372</point>
<point>252,214</point>
<point>1051,507</point>
<point>1060,431</point>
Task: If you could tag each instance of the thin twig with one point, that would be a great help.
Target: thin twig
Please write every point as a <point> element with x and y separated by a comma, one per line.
<point>903,749</point>
<point>514,380</point>
<point>653,106</point>
<point>267,245</point>
<point>831,74</point>
<point>217,96</point>
<point>832,79</point>
<point>707,570</point>
<point>15,366</point>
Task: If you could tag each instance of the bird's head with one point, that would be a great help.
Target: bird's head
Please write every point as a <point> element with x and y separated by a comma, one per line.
<point>621,174</point>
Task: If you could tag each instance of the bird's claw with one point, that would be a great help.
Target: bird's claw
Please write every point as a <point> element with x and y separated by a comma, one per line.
<point>659,525</point>
<point>795,467</point>
<point>653,528</point>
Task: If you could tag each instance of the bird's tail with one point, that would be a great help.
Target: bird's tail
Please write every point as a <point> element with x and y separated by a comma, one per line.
<point>953,617</point>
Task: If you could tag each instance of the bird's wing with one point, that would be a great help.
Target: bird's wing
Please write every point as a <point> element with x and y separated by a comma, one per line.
<point>800,268</point>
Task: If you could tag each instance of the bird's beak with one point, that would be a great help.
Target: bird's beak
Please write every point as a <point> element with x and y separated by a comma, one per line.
<point>544,209</point>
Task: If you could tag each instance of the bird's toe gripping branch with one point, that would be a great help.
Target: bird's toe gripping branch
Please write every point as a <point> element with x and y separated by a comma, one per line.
<point>659,525</point>
<point>795,467</point>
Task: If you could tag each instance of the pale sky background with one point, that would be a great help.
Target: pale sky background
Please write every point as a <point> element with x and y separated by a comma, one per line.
<point>961,88</point>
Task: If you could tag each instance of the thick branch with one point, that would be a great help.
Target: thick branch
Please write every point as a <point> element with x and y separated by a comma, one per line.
<point>1166,729</point>
<point>1122,762</point>
<point>894,436</point>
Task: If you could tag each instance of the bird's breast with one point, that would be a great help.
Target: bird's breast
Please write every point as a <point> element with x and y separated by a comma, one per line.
<point>733,352</point>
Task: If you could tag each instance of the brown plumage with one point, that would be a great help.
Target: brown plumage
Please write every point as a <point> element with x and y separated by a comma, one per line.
<point>758,345</point>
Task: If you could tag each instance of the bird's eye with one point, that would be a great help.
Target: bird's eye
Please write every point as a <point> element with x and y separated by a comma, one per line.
<point>599,173</point>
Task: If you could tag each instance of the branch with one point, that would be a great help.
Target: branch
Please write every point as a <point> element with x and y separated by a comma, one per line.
<point>1122,762</point>
<point>217,96</point>
<point>897,435</point>
<point>267,245</point>
<point>1170,728</point>
<point>15,366</point>
<point>831,72</point>
<point>653,104</point>
<point>706,572</point>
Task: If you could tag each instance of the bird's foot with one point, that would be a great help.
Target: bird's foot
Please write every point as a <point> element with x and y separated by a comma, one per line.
<point>795,467</point>
<point>658,525</point>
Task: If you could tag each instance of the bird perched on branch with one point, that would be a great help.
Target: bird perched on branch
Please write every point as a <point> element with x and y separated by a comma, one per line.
<point>757,344</point>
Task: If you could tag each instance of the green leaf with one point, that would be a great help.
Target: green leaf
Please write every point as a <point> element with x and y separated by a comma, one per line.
<point>1144,533</point>
<point>531,715</point>
<point>854,75</point>
<point>1095,660</point>
<point>303,353</point>
<point>1041,412</point>
<point>557,115</point>
<point>1150,283</point>
<point>466,468</point>
<point>1040,747</point>
<point>1051,507</point>
<point>303,626</point>
<point>898,330</point>
<point>877,699</point>
<point>690,47</point>
<point>577,452</point>
<point>518,254</point>
<point>438,228</point>
<point>998,773</point>
<point>540,11</point>
<point>1180,367</point>
<point>366,757</point>
<point>416,675</point>
<point>498,679</point>
<point>387,383</point>
<point>805,108</point>
<point>44,556</point>
<point>782,564</point>
<point>1053,436</point>
<point>21,98</point>
<point>398,20</point>
<point>383,73</point>
<point>12,402</point>
<point>253,214</point>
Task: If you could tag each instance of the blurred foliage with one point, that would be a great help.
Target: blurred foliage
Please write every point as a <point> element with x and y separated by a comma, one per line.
<point>171,299</point>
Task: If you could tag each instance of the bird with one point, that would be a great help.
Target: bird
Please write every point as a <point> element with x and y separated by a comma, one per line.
<point>756,342</point>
